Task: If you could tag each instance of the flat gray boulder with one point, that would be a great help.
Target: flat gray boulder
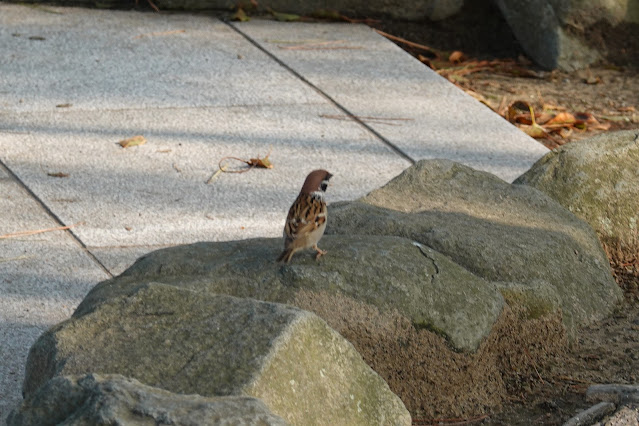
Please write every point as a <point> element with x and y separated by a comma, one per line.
<point>191,342</point>
<point>114,399</point>
<point>498,231</point>
<point>598,180</point>
<point>388,273</point>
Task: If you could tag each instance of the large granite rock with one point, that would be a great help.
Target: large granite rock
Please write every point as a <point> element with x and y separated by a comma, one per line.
<point>114,399</point>
<point>596,179</point>
<point>389,273</point>
<point>505,233</point>
<point>215,345</point>
<point>552,32</point>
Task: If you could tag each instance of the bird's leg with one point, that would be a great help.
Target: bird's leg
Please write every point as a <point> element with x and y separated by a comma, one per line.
<point>320,252</point>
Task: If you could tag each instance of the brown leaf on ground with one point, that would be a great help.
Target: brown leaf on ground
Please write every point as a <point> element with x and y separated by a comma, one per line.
<point>426,61</point>
<point>58,174</point>
<point>240,15</point>
<point>544,117</point>
<point>592,80</point>
<point>534,131</point>
<point>263,163</point>
<point>519,112</point>
<point>562,119</point>
<point>134,141</point>
<point>456,56</point>
<point>585,120</point>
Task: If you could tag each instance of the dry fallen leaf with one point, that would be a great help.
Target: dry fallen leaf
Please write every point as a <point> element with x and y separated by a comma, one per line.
<point>284,17</point>
<point>134,141</point>
<point>565,132</point>
<point>585,117</point>
<point>519,112</point>
<point>426,61</point>
<point>544,118</point>
<point>240,15</point>
<point>58,174</point>
<point>562,119</point>
<point>263,163</point>
<point>534,131</point>
<point>456,56</point>
<point>592,80</point>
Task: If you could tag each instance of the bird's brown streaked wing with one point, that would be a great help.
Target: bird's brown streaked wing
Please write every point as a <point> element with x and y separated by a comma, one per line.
<point>304,217</point>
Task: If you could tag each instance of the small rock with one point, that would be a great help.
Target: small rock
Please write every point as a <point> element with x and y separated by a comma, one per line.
<point>114,399</point>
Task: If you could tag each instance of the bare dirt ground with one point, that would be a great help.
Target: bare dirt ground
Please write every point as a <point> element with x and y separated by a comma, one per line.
<point>493,68</point>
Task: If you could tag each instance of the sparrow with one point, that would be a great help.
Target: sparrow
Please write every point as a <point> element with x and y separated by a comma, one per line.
<point>306,220</point>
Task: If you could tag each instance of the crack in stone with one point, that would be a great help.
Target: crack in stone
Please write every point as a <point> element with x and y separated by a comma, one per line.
<point>427,256</point>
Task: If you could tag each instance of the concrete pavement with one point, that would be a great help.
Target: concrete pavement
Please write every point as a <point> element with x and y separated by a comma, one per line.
<point>74,82</point>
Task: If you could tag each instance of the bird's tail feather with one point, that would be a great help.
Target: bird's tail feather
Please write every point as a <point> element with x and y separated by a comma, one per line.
<point>286,255</point>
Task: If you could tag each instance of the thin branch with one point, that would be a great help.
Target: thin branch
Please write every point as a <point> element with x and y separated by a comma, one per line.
<point>38,231</point>
<point>223,168</point>
<point>10,259</point>
<point>409,43</point>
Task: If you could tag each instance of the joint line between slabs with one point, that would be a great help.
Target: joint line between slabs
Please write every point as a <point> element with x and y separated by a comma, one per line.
<point>352,116</point>
<point>54,217</point>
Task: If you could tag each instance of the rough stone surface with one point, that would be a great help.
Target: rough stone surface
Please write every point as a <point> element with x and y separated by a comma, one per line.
<point>625,416</point>
<point>537,25</point>
<point>553,32</point>
<point>498,231</point>
<point>114,399</point>
<point>216,345</point>
<point>596,179</point>
<point>617,393</point>
<point>389,273</point>
<point>546,29</point>
<point>591,415</point>
<point>420,103</point>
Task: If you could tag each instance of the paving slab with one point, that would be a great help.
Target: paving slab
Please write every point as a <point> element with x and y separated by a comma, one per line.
<point>101,59</point>
<point>407,103</point>
<point>157,193</point>
<point>43,277</point>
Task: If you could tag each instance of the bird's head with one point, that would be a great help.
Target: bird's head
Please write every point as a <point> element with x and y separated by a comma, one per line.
<point>316,183</point>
